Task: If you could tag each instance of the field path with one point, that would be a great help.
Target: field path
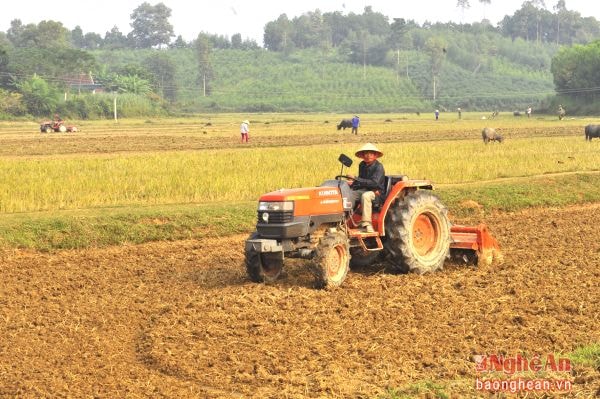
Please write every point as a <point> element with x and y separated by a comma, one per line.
<point>180,319</point>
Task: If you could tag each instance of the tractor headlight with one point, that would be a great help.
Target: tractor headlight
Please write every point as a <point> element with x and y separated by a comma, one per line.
<point>279,206</point>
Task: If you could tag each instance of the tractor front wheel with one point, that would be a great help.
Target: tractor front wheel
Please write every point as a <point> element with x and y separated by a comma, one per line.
<point>332,260</point>
<point>263,267</point>
<point>49,129</point>
<point>419,233</point>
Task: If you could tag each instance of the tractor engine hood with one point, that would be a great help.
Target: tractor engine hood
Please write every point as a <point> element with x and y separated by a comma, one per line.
<point>309,201</point>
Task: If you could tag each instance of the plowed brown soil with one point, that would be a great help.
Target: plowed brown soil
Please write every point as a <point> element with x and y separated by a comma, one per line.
<point>187,137</point>
<point>181,319</point>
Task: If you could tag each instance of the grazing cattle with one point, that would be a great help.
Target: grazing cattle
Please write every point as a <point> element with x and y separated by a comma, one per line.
<point>344,124</point>
<point>488,134</point>
<point>517,113</point>
<point>592,131</point>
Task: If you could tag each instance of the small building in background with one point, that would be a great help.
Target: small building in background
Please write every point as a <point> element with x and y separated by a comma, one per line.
<point>82,83</point>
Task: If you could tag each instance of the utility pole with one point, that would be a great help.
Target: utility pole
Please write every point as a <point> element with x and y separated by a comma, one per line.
<point>398,66</point>
<point>115,108</point>
<point>433,87</point>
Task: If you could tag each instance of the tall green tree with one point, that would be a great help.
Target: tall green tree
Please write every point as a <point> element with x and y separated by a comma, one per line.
<point>77,38</point>
<point>463,5</point>
<point>39,97</point>
<point>560,8</point>
<point>46,34</point>
<point>277,34</point>
<point>338,27</point>
<point>151,25</point>
<point>114,39</point>
<point>436,48</point>
<point>179,43</point>
<point>575,70</point>
<point>163,69</point>
<point>92,41</point>
<point>485,3</point>
<point>4,61</point>
<point>203,54</point>
<point>236,41</point>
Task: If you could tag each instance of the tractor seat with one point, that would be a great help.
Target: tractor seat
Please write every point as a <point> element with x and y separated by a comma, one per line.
<point>390,180</point>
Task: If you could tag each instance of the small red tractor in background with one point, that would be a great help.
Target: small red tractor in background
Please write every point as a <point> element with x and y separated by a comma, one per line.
<point>56,126</point>
<point>319,223</point>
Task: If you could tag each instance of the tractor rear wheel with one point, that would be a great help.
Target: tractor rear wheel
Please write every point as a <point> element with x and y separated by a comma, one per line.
<point>332,260</point>
<point>49,129</point>
<point>263,267</point>
<point>62,128</point>
<point>418,233</point>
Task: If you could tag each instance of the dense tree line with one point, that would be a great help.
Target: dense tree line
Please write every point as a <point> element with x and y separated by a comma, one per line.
<point>372,34</point>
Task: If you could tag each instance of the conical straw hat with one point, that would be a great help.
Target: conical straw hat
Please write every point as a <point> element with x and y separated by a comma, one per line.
<point>368,147</point>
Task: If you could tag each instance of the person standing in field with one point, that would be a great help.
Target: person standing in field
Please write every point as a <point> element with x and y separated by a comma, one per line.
<point>459,112</point>
<point>437,114</point>
<point>244,130</point>
<point>355,124</point>
<point>528,112</point>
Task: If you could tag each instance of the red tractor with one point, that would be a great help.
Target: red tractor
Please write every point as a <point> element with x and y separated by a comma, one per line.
<point>320,224</point>
<point>56,126</point>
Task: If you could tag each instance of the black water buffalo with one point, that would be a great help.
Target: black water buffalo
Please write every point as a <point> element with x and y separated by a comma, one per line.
<point>592,131</point>
<point>344,124</point>
<point>517,113</point>
<point>488,134</point>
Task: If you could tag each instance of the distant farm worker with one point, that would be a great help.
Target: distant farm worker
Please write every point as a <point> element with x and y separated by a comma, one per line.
<point>437,114</point>
<point>459,112</point>
<point>528,112</point>
<point>561,112</point>
<point>355,124</point>
<point>369,184</point>
<point>244,130</point>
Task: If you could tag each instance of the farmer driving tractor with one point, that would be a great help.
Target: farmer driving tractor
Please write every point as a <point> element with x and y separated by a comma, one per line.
<point>369,184</point>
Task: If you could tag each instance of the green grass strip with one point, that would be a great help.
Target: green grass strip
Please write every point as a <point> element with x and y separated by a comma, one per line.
<point>587,356</point>
<point>100,227</point>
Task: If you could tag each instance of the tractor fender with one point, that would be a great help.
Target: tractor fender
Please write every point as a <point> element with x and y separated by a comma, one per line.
<point>399,190</point>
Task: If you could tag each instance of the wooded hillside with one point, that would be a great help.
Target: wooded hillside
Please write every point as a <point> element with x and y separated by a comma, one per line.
<point>328,62</point>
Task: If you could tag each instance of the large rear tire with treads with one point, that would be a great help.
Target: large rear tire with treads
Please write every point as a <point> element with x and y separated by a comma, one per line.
<point>418,232</point>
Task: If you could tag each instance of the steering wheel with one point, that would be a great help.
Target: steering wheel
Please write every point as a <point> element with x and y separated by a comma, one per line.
<point>345,177</point>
